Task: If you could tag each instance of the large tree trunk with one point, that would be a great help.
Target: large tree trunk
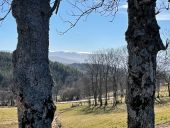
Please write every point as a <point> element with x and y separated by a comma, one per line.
<point>144,42</point>
<point>32,79</point>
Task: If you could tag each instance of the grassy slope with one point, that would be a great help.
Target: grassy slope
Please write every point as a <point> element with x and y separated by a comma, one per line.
<point>8,118</point>
<point>83,117</point>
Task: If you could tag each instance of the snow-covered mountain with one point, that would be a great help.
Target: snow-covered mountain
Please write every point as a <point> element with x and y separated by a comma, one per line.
<point>68,57</point>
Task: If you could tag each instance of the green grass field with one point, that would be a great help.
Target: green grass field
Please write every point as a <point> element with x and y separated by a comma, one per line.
<point>84,117</point>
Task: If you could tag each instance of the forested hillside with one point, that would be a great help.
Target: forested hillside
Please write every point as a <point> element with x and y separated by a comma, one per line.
<point>82,67</point>
<point>62,75</point>
<point>5,70</point>
<point>105,73</point>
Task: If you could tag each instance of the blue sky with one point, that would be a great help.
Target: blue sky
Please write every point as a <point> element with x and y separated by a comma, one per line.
<point>90,35</point>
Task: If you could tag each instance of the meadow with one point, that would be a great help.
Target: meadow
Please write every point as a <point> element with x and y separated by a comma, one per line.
<point>70,115</point>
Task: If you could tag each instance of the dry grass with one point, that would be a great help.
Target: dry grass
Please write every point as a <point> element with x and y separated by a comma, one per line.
<point>84,117</point>
<point>8,118</point>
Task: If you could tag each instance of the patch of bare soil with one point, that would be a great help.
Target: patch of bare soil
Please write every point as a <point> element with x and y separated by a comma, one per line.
<point>56,122</point>
<point>163,125</point>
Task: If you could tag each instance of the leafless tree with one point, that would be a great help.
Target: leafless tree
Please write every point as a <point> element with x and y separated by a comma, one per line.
<point>163,62</point>
<point>118,72</point>
<point>100,57</point>
<point>93,70</point>
<point>114,70</point>
<point>106,74</point>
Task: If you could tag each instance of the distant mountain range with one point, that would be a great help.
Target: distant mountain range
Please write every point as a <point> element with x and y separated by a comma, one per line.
<point>68,57</point>
<point>65,57</point>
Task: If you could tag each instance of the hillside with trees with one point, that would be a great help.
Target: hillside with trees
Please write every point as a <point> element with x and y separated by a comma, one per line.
<point>62,75</point>
<point>5,70</point>
<point>104,75</point>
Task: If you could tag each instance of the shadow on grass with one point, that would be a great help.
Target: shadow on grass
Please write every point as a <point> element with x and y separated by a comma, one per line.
<point>120,107</point>
<point>162,101</point>
<point>84,110</point>
<point>101,110</point>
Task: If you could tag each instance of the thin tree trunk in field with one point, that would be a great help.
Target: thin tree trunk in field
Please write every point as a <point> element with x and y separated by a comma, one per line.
<point>95,91</point>
<point>32,79</point>
<point>92,84</point>
<point>106,86</point>
<point>168,89</point>
<point>144,42</point>
<point>114,92</point>
<point>100,91</point>
<point>106,90</point>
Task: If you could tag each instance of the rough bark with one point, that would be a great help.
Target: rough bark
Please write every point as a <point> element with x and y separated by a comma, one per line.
<point>32,79</point>
<point>144,42</point>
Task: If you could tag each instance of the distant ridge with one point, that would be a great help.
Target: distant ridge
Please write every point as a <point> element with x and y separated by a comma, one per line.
<point>68,57</point>
<point>65,57</point>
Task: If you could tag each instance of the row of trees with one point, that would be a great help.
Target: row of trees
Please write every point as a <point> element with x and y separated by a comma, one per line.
<point>107,70</point>
<point>104,73</point>
<point>107,73</point>
<point>163,71</point>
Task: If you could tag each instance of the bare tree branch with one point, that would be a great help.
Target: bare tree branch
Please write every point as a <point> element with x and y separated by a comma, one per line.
<point>86,7</point>
<point>162,6</point>
<point>2,18</point>
<point>5,7</point>
<point>166,36</point>
<point>55,7</point>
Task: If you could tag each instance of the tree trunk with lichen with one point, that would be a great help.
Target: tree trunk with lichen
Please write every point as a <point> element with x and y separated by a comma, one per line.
<point>144,42</point>
<point>32,79</point>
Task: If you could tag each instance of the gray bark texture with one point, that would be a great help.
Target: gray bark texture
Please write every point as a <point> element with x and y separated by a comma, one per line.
<point>32,78</point>
<point>144,42</point>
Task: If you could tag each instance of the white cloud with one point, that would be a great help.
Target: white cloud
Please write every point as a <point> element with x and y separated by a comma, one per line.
<point>69,51</point>
<point>124,6</point>
<point>163,16</point>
